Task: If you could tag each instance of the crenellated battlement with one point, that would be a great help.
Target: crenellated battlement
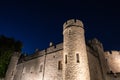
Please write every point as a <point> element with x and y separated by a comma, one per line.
<point>73,22</point>
<point>112,54</point>
<point>54,48</point>
<point>95,44</point>
<point>41,53</point>
<point>113,60</point>
<point>51,49</point>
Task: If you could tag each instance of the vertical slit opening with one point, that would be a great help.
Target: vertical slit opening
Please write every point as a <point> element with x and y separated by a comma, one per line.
<point>77,57</point>
<point>65,59</point>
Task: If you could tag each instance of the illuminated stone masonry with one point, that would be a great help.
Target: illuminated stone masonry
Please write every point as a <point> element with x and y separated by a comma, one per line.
<point>73,59</point>
<point>113,60</point>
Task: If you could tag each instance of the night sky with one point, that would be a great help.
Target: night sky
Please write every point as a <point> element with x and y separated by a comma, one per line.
<point>36,23</point>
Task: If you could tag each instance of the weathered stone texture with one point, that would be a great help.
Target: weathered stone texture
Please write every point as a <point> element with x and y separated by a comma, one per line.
<point>94,65</point>
<point>51,66</point>
<point>12,66</point>
<point>113,60</point>
<point>74,46</point>
<point>30,70</point>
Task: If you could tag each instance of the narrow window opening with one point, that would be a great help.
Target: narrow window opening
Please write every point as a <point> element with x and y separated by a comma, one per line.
<point>77,56</point>
<point>70,32</point>
<point>65,59</point>
<point>12,73</point>
<point>59,65</point>
<point>41,67</point>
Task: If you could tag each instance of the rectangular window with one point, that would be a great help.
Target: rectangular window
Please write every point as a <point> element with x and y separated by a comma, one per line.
<point>65,59</point>
<point>41,67</point>
<point>59,65</point>
<point>77,57</point>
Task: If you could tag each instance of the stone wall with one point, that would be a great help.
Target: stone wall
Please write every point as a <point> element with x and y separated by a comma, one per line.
<point>43,65</point>
<point>12,66</point>
<point>51,66</point>
<point>30,70</point>
<point>99,52</point>
<point>113,60</point>
<point>94,65</point>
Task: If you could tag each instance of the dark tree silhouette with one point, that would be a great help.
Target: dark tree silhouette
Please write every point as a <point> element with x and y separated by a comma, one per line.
<point>7,48</point>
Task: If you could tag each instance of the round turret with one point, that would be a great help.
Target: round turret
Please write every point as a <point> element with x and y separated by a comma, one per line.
<point>75,61</point>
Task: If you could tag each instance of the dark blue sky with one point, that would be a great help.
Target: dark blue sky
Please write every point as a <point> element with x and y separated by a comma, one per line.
<point>36,23</point>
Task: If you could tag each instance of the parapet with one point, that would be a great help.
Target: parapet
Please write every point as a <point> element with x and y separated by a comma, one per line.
<point>73,22</point>
<point>54,48</point>
<point>112,54</point>
<point>113,60</point>
<point>41,53</point>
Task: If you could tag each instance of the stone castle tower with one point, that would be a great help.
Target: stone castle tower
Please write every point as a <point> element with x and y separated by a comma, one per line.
<point>75,60</point>
<point>12,66</point>
<point>72,59</point>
